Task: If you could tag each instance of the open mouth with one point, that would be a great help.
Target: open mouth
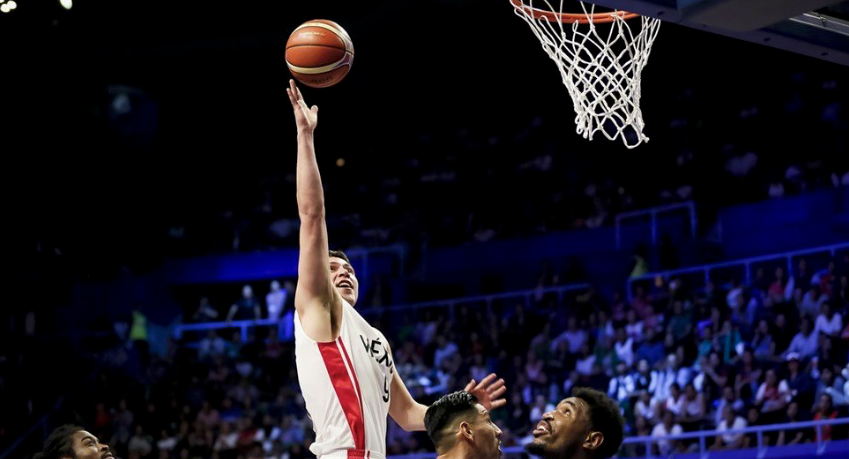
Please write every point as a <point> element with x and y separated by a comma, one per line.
<point>543,428</point>
<point>344,284</point>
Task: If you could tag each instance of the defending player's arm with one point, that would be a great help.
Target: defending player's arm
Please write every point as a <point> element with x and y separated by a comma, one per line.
<point>409,414</point>
<point>317,302</point>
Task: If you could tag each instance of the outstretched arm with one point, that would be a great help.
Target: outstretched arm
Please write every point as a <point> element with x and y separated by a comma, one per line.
<point>318,303</point>
<point>409,414</point>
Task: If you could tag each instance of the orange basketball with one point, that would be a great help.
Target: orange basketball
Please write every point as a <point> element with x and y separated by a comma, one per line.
<point>319,53</point>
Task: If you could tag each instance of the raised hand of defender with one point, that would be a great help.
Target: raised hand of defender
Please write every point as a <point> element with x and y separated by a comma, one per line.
<point>306,118</point>
<point>489,393</point>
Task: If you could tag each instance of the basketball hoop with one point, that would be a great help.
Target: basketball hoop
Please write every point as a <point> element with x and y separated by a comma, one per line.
<point>600,66</point>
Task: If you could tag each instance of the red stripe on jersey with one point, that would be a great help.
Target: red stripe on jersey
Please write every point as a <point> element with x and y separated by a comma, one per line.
<point>356,381</point>
<point>345,392</point>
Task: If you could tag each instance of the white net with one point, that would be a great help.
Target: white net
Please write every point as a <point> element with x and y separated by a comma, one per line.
<point>600,59</point>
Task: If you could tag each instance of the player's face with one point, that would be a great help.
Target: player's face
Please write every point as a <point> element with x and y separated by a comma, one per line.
<point>487,434</point>
<point>561,432</point>
<point>87,446</point>
<point>343,278</point>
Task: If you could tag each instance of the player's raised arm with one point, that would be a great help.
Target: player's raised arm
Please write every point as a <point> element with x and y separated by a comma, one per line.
<point>409,414</point>
<point>316,300</point>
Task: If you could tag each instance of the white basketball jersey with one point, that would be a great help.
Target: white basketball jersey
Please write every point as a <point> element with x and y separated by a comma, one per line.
<point>346,388</point>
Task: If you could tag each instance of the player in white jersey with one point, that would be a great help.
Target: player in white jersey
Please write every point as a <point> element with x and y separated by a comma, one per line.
<point>345,366</point>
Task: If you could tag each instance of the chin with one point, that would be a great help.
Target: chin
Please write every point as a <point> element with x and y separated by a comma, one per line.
<point>536,447</point>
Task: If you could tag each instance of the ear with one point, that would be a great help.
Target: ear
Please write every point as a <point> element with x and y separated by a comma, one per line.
<point>465,431</point>
<point>593,440</point>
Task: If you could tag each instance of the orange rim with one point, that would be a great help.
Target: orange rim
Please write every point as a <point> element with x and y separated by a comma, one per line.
<point>571,18</point>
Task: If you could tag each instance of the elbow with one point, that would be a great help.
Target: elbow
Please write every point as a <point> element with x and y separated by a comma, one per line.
<point>311,213</point>
<point>405,421</point>
<point>310,206</point>
<point>411,419</point>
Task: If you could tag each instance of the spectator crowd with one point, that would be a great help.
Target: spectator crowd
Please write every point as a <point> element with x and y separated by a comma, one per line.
<point>676,358</point>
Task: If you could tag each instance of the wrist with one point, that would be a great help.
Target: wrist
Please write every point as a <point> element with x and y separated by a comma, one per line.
<point>306,134</point>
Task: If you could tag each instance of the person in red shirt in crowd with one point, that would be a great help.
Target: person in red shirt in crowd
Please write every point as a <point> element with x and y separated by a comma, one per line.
<point>825,410</point>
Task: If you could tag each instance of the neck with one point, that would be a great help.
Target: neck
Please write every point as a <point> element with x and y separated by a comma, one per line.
<point>459,451</point>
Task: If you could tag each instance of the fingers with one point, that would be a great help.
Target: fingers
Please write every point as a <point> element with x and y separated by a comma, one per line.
<point>294,94</point>
<point>291,98</point>
<point>498,392</point>
<point>293,88</point>
<point>498,403</point>
<point>470,387</point>
<point>297,99</point>
<point>497,385</point>
<point>299,95</point>
<point>486,381</point>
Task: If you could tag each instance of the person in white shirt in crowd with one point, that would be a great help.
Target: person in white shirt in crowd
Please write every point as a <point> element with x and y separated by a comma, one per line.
<point>673,374</point>
<point>624,347</point>
<point>839,391</point>
<point>644,377</point>
<point>805,343</point>
<point>812,301</point>
<point>275,301</point>
<point>828,322</point>
<point>730,421</point>
<point>268,433</point>
<point>773,394</point>
<point>621,386</point>
<point>729,399</point>
<point>647,408</point>
<point>586,360</point>
<point>675,402</point>
<point>693,409</point>
<point>735,294</point>
<point>226,439</point>
<point>667,427</point>
<point>576,337</point>
<point>166,442</point>
<point>634,327</point>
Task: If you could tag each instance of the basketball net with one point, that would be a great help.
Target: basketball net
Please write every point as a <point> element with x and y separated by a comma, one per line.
<point>600,66</point>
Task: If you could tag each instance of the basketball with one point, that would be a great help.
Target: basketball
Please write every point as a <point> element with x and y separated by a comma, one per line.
<point>319,53</point>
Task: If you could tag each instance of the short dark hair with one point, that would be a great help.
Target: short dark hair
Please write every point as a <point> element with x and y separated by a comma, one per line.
<point>59,444</point>
<point>444,411</point>
<point>605,417</point>
<point>339,254</point>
